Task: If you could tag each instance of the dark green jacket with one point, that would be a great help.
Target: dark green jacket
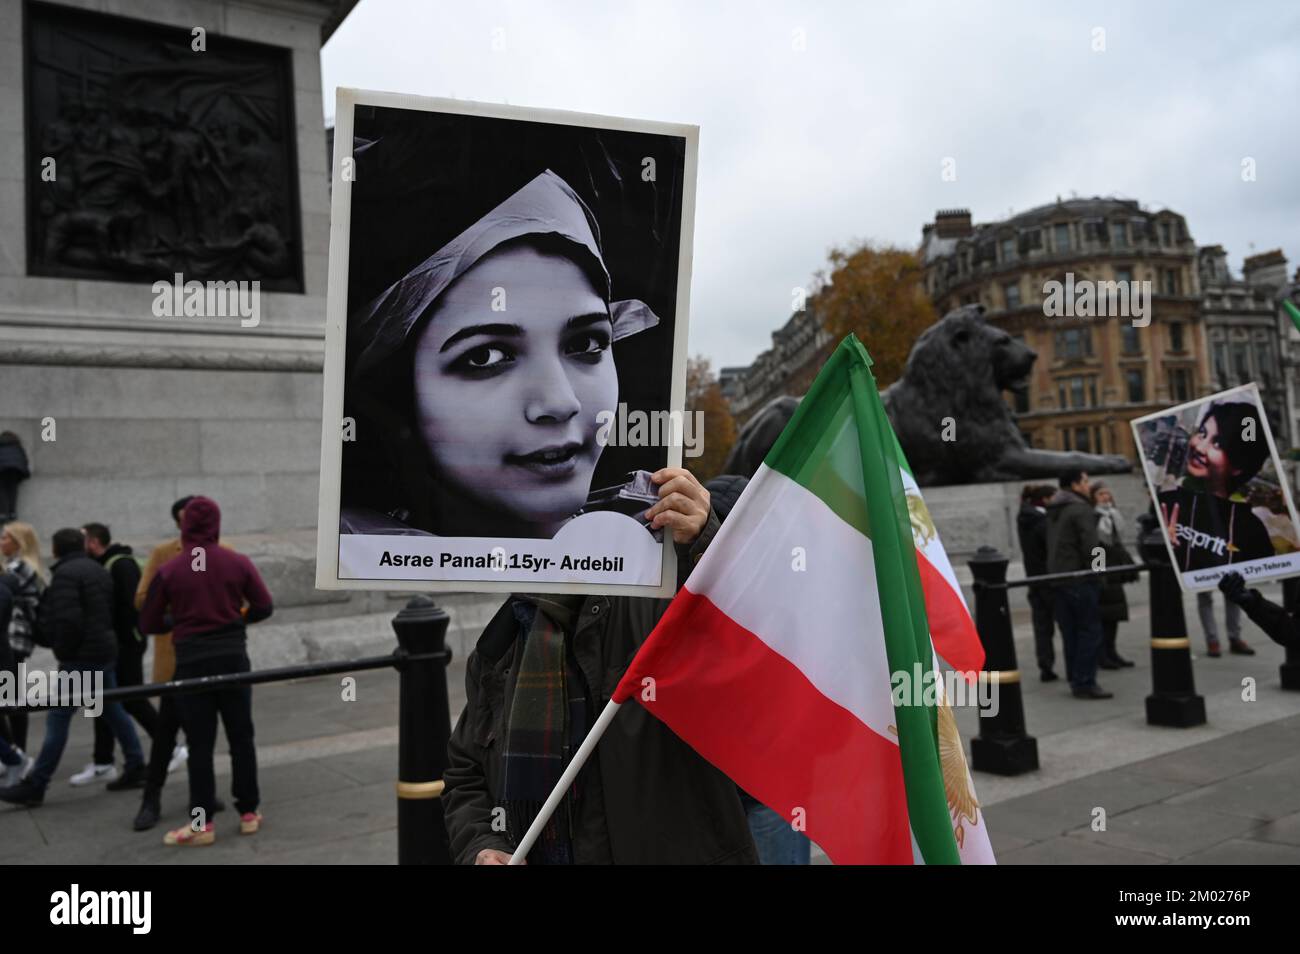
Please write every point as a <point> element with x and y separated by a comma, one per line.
<point>1071,533</point>
<point>647,797</point>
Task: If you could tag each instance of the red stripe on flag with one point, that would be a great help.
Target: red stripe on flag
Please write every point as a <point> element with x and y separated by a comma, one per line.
<point>754,715</point>
<point>951,628</point>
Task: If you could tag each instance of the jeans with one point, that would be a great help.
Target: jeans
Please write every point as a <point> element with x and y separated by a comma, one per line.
<point>13,722</point>
<point>58,721</point>
<point>199,712</point>
<point>778,843</point>
<point>1231,616</point>
<point>1078,613</point>
<point>129,673</point>
<point>1040,602</point>
<point>163,744</point>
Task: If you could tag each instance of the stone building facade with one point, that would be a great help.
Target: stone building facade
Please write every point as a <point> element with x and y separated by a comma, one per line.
<point>1094,374</point>
<point>1241,327</point>
<point>799,348</point>
<point>168,155</point>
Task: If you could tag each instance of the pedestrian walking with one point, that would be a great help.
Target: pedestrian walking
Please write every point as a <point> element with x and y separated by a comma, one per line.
<point>75,619</point>
<point>122,567</point>
<point>20,555</point>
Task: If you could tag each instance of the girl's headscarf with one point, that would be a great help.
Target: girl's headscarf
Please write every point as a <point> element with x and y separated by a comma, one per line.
<point>545,207</point>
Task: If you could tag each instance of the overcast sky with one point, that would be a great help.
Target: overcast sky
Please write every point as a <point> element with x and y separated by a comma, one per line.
<point>801,150</point>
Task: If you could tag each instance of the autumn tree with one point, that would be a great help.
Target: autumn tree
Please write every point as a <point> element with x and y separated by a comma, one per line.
<point>716,431</point>
<point>876,292</point>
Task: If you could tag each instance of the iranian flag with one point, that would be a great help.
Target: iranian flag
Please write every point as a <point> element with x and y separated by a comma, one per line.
<point>774,661</point>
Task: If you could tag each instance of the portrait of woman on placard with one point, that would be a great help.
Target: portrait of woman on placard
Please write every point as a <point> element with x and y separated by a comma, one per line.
<point>485,368</point>
<point>1207,518</point>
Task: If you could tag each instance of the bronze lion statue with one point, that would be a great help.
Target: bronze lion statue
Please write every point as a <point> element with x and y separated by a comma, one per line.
<point>957,370</point>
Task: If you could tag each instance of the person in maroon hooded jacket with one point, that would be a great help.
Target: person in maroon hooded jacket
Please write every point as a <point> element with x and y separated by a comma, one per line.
<point>205,595</point>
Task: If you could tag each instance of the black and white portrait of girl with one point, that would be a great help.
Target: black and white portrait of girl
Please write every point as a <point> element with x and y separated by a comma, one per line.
<point>510,283</point>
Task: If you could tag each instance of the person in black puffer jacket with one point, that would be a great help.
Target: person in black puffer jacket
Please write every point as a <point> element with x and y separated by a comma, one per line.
<point>75,619</point>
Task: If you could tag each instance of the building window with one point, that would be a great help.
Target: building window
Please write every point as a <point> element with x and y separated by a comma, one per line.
<point>1008,249</point>
<point>1073,344</point>
<point>1082,390</point>
<point>1180,385</point>
<point>1166,235</point>
<point>1062,237</point>
<point>1081,440</point>
<point>1129,339</point>
<point>1264,361</point>
<point>1096,439</point>
<point>1060,395</point>
<point>1124,275</point>
<point>1065,438</point>
<point>1169,281</point>
<point>1137,389</point>
<point>1220,362</point>
<point>1176,336</point>
<point>1240,362</point>
<point>1012,292</point>
<point>1119,234</point>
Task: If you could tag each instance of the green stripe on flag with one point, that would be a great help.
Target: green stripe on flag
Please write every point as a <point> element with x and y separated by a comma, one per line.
<point>839,445</point>
<point>902,608</point>
<point>818,448</point>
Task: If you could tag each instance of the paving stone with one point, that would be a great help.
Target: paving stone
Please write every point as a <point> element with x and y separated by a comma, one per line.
<point>1284,831</point>
<point>1170,831</point>
<point>1071,851</point>
<point>1242,851</point>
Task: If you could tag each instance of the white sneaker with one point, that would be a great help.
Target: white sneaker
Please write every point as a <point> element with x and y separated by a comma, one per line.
<point>13,774</point>
<point>95,773</point>
<point>180,755</point>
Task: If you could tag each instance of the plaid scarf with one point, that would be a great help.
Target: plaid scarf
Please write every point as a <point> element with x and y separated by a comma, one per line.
<point>548,720</point>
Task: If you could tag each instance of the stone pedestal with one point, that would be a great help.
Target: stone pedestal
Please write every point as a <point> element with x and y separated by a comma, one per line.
<point>120,410</point>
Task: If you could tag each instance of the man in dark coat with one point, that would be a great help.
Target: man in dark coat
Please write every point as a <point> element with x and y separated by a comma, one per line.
<point>1073,544</point>
<point>75,619</point>
<point>1031,528</point>
<point>121,564</point>
<point>644,797</point>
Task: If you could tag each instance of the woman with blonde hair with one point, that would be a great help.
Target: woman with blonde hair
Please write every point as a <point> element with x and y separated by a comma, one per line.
<point>20,554</point>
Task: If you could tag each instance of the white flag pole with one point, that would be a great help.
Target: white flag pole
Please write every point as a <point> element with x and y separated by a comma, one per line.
<point>566,779</point>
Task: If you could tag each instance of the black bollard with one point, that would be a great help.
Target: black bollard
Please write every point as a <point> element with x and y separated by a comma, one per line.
<point>1173,700</point>
<point>424,727</point>
<point>1003,746</point>
<point>1290,669</point>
